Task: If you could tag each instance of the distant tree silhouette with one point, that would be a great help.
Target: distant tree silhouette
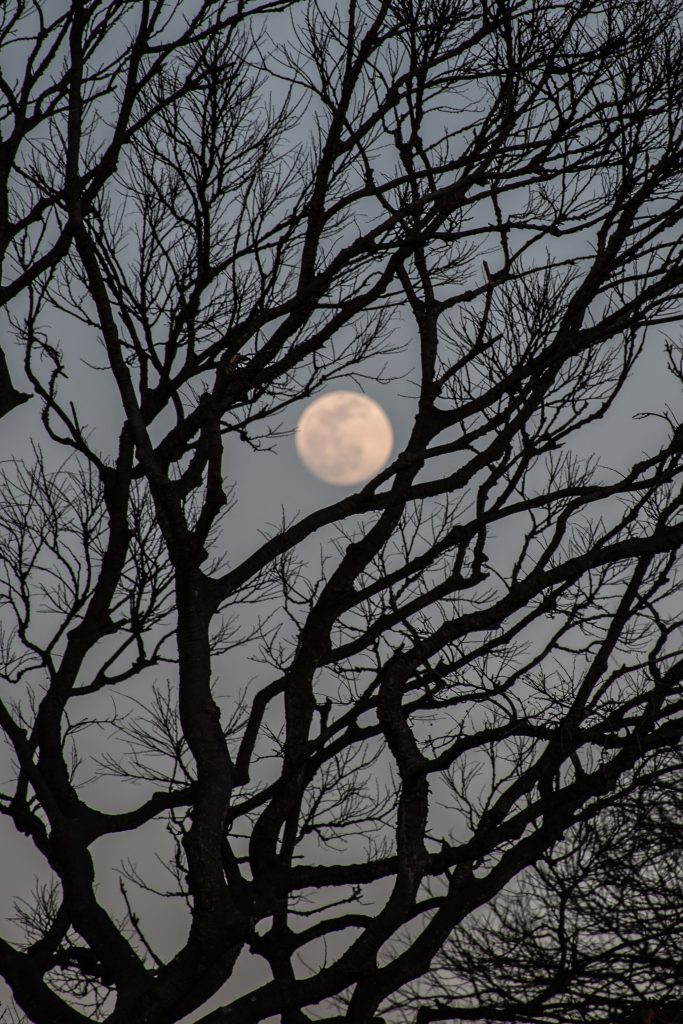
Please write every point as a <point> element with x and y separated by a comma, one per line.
<point>208,214</point>
<point>592,933</point>
<point>667,1013</point>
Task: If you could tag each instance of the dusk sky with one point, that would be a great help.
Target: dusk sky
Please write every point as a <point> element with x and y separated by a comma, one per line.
<point>283,738</point>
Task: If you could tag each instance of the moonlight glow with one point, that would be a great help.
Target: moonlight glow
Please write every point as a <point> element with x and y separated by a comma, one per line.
<point>344,437</point>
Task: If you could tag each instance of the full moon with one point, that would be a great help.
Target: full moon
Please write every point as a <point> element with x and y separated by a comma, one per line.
<point>344,437</point>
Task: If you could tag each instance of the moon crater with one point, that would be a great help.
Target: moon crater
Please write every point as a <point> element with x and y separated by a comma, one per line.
<point>344,437</point>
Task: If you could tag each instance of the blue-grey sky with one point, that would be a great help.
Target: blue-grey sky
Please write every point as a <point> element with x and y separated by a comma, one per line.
<point>269,486</point>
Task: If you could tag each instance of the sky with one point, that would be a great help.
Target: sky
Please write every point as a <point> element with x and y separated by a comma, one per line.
<point>272,485</point>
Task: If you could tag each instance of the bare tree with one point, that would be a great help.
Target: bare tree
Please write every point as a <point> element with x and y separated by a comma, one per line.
<point>232,209</point>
